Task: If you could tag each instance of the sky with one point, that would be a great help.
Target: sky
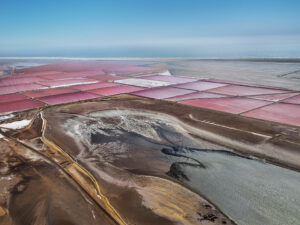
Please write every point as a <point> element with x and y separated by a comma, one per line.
<point>150,28</point>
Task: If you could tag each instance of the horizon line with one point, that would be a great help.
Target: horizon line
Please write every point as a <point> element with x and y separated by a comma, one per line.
<point>297,59</point>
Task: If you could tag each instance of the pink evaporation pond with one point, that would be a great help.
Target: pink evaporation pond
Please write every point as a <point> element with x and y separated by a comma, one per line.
<point>90,73</point>
<point>19,105</point>
<point>277,112</point>
<point>162,93</point>
<point>238,90</point>
<point>85,87</point>
<point>233,105</point>
<point>67,82</point>
<point>241,83</point>
<point>11,98</point>
<point>35,74</point>
<point>73,75</point>
<point>58,76</point>
<point>171,79</point>
<point>196,95</point>
<point>49,92</point>
<point>69,97</point>
<point>200,85</point>
<point>19,87</point>
<point>15,81</point>
<point>116,90</point>
<point>277,97</point>
<point>294,100</point>
<point>106,77</point>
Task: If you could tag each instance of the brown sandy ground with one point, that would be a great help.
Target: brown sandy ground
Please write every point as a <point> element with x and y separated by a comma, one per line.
<point>34,191</point>
<point>122,151</point>
<point>140,195</point>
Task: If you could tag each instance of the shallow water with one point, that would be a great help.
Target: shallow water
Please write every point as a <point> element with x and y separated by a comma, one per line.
<point>249,191</point>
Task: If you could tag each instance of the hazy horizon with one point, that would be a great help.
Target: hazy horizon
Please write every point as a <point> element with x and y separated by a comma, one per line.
<point>195,28</point>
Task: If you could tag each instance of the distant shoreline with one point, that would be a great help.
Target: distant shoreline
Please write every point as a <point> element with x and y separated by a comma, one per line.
<point>287,60</point>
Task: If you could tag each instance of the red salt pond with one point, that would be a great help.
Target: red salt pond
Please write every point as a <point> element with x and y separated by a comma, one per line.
<point>59,76</point>
<point>19,87</point>
<point>277,112</point>
<point>105,77</point>
<point>35,74</point>
<point>294,100</point>
<point>68,82</point>
<point>49,92</point>
<point>89,73</point>
<point>171,79</point>
<point>200,85</point>
<point>85,87</point>
<point>196,95</point>
<point>11,98</point>
<point>233,105</point>
<point>116,90</point>
<point>163,92</point>
<point>19,105</point>
<point>69,97</point>
<point>15,81</point>
<point>239,90</point>
<point>83,74</point>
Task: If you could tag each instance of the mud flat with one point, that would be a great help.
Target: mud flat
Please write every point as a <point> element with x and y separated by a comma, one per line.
<point>142,161</point>
<point>35,191</point>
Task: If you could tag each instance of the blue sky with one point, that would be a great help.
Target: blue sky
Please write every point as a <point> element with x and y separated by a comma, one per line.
<point>137,28</point>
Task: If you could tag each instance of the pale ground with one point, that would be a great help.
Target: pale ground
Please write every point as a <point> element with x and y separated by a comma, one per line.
<point>284,74</point>
<point>272,72</point>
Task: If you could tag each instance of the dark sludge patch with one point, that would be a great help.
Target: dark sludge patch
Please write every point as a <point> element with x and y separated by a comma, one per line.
<point>21,186</point>
<point>97,138</point>
<point>224,152</point>
<point>174,151</point>
<point>176,172</point>
<point>122,136</point>
<point>177,169</point>
<point>213,151</point>
<point>172,137</point>
<point>16,165</point>
<point>209,217</point>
